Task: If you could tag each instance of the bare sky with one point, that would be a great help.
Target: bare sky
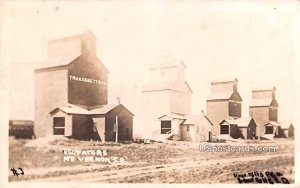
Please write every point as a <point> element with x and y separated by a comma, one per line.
<point>253,41</point>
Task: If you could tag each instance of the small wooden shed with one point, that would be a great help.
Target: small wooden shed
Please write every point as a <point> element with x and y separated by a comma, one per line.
<point>244,127</point>
<point>97,124</point>
<point>196,128</point>
<point>286,130</point>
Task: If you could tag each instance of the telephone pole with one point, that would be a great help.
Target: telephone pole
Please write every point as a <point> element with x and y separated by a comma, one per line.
<point>117,129</point>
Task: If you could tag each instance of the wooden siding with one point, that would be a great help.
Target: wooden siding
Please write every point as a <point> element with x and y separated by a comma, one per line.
<point>261,117</point>
<point>235,109</point>
<point>50,92</point>
<point>125,121</point>
<point>84,93</point>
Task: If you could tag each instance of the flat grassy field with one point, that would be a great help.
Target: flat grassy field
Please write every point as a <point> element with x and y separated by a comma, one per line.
<point>138,155</point>
<point>217,173</point>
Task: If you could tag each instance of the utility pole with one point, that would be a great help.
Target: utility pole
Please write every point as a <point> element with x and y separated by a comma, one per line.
<point>117,129</point>
<point>259,132</point>
<point>117,124</point>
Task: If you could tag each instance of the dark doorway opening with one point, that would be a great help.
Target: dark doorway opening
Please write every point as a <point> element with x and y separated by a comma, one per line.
<point>224,129</point>
<point>165,127</point>
<point>59,126</point>
<point>269,130</point>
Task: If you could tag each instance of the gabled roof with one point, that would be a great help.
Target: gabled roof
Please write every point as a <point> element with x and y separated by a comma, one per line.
<point>166,85</point>
<point>243,121</point>
<point>192,120</point>
<point>62,61</point>
<point>73,109</point>
<point>229,120</point>
<point>73,37</point>
<point>220,95</point>
<point>65,38</point>
<point>104,110</point>
<point>273,123</point>
<point>166,65</point>
<point>264,88</point>
<point>58,61</point>
<point>196,119</point>
<point>157,86</point>
<point>226,80</point>
<point>224,96</point>
<point>240,122</point>
<point>286,125</point>
<point>173,116</point>
<point>260,102</point>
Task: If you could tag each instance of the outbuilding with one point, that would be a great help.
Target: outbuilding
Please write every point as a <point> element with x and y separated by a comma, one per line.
<point>196,128</point>
<point>193,128</point>
<point>170,126</point>
<point>244,128</point>
<point>286,130</point>
<point>271,130</point>
<point>98,124</point>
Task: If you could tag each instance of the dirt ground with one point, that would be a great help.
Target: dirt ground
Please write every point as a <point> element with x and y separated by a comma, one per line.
<point>168,162</point>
